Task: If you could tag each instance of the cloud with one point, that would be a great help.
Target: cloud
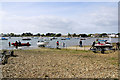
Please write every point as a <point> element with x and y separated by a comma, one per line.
<point>35,24</point>
<point>103,19</point>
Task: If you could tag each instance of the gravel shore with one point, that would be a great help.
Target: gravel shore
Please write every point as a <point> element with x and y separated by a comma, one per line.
<point>53,63</point>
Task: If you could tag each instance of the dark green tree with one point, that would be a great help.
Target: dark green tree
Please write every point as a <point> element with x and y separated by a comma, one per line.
<point>69,35</point>
<point>58,35</point>
<point>74,35</point>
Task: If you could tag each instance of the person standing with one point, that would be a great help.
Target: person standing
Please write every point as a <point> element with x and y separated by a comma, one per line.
<point>80,43</point>
<point>57,43</point>
<point>117,45</point>
<point>93,44</point>
<point>16,44</point>
<point>9,44</point>
<point>19,43</point>
<point>63,44</point>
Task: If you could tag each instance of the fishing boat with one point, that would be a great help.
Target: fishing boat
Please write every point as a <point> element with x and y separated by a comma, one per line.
<point>22,44</point>
<point>2,38</point>
<point>26,39</point>
<point>42,43</point>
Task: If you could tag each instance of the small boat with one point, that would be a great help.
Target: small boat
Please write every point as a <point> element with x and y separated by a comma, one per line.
<point>35,37</point>
<point>76,37</point>
<point>63,39</point>
<point>9,37</point>
<point>2,38</point>
<point>53,38</point>
<point>42,43</point>
<point>22,44</point>
<point>26,39</point>
<point>67,38</point>
<point>83,39</point>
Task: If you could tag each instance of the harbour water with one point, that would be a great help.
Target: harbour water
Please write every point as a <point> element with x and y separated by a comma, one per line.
<point>52,43</point>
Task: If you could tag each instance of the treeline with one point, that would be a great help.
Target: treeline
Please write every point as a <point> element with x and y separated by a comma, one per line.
<point>31,34</point>
<point>55,35</point>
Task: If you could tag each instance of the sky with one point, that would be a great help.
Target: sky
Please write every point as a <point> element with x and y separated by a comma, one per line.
<point>59,17</point>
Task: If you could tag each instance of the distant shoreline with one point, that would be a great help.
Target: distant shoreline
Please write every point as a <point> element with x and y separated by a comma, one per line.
<point>66,36</point>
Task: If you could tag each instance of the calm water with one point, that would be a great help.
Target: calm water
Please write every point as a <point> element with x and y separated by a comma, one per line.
<point>52,44</point>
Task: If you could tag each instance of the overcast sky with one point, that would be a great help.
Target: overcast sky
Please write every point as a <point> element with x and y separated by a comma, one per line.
<point>59,17</point>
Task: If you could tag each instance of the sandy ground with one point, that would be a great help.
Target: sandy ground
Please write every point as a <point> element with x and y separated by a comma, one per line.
<point>53,63</point>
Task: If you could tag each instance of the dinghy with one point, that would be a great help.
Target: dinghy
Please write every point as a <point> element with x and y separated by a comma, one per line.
<point>42,43</point>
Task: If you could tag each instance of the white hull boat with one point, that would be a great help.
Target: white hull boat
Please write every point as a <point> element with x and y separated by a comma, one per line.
<point>39,44</point>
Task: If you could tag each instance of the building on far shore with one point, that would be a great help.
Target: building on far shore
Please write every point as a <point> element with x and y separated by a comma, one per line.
<point>112,35</point>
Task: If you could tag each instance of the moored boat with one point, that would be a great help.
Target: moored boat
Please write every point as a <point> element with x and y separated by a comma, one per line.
<point>82,39</point>
<point>65,39</point>
<point>42,43</point>
<point>2,38</point>
<point>53,38</point>
<point>22,44</point>
<point>36,37</point>
<point>26,39</point>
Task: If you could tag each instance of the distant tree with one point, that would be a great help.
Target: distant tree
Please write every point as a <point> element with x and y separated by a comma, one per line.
<point>42,35</point>
<point>69,35</point>
<point>50,34</point>
<point>83,35</point>
<point>11,34</point>
<point>89,35</point>
<point>38,34</point>
<point>27,34</point>
<point>118,34</point>
<point>103,35</point>
<point>79,35</point>
<point>74,35</point>
<point>58,35</point>
<point>96,35</point>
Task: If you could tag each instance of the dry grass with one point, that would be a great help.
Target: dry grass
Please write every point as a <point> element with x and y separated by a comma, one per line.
<point>56,63</point>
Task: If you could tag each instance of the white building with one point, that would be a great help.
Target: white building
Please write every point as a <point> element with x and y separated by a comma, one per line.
<point>112,35</point>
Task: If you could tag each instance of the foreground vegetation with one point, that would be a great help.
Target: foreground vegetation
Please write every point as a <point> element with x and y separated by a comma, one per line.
<point>61,63</point>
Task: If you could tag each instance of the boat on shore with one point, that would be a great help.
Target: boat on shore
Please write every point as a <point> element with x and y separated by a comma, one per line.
<point>101,45</point>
